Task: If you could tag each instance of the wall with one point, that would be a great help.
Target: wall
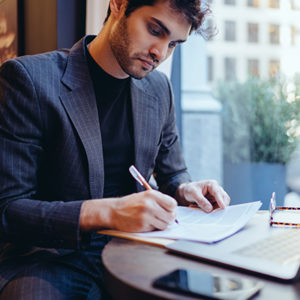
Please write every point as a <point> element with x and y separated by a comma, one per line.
<point>52,24</point>
<point>39,26</point>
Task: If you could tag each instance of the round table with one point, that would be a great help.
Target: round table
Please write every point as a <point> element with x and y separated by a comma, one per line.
<point>131,267</point>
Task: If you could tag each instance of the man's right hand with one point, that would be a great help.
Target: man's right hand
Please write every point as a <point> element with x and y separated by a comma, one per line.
<point>140,212</point>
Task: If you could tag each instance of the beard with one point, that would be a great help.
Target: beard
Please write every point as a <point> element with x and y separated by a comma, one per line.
<point>120,44</point>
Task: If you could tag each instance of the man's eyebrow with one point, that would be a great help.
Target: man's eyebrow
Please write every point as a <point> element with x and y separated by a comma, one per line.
<point>165,29</point>
<point>161,24</point>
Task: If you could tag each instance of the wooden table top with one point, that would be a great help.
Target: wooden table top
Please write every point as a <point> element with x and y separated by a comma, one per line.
<point>131,267</point>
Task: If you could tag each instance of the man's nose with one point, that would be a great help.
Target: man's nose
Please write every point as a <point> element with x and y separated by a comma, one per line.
<point>159,52</point>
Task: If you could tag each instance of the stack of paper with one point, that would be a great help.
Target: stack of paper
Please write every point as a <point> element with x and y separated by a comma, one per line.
<point>197,225</point>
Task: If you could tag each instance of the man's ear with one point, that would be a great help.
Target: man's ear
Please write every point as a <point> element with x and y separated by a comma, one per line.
<point>117,7</point>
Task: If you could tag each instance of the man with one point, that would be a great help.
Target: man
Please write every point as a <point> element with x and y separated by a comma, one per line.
<point>71,123</point>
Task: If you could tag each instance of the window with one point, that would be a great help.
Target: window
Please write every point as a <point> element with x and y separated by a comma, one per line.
<point>295,36</point>
<point>274,67</point>
<point>210,28</point>
<point>229,2</point>
<point>230,68</point>
<point>253,67</point>
<point>274,34</point>
<point>249,68</point>
<point>230,31</point>
<point>253,3</point>
<point>274,3</point>
<point>295,4</point>
<point>252,33</point>
<point>210,68</point>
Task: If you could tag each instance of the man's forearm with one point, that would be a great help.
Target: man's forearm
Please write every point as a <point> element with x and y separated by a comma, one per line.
<point>138,212</point>
<point>48,224</point>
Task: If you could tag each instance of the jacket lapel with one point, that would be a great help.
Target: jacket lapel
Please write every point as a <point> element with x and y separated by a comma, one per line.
<point>78,98</point>
<point>145,112</point>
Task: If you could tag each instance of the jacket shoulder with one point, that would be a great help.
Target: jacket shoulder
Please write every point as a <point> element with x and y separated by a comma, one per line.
<point>43,61</point>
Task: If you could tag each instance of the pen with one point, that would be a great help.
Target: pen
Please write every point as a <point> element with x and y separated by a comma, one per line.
<point>141,180</point>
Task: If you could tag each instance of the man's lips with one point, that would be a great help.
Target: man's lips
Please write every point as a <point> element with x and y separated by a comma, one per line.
<point>147,64</point>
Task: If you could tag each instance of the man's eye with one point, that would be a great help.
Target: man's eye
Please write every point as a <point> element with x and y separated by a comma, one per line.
<point>172,44</point>
<point>154,31</point>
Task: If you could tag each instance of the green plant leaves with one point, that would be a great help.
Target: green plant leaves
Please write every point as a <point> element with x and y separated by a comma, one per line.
<point>261,119</point>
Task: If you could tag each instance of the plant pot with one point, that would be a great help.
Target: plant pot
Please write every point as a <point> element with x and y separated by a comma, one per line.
<point>247,182</point>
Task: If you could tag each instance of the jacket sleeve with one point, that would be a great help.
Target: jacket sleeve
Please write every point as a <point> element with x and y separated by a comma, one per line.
<point>170,169</point>
<point>23,217</point>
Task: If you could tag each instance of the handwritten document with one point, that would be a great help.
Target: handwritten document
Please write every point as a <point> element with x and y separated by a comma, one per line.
<point>197,225</point>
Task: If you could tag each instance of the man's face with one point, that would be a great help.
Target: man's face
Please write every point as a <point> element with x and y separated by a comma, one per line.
<point>147,37</point>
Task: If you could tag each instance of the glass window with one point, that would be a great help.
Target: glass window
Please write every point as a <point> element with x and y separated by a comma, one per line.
<point>295,4</point>
<point>210,68</point>
<point>253,67</point>
<point>252,33</point>
<point>229,2</point>
<point>253,3</point>
<point>210,28</point>
<point>274,3</point>
<point>230,31</point>
<point>293,33</point>
<point>295,36</point>
<point>253,71</point>
<point>274,34</point>
<point>230,68</point>
<point>274,67</point>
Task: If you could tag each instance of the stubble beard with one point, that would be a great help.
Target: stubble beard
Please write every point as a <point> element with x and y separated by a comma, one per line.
<point>120,45</point>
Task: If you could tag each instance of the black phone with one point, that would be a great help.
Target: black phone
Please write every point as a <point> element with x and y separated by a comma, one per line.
<point>207,285</point>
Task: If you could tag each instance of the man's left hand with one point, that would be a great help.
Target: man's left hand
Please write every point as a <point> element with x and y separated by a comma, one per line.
<point>207,195</point>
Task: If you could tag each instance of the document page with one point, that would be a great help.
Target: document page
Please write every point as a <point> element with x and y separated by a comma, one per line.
<point>196,225</point>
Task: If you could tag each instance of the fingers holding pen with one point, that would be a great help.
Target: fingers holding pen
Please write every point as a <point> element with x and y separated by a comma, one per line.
<point>161,208</point>
<point>144,211</point>
<point>166,202</point>
<point>164,210</point>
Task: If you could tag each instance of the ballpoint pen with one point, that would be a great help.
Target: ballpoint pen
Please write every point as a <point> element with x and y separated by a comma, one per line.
<point>141,180</point>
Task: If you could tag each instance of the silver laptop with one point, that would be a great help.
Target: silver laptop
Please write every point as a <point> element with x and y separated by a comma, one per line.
<point>257,248</point>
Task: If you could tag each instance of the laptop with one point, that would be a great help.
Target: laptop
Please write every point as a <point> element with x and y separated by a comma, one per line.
<point>257,249</point>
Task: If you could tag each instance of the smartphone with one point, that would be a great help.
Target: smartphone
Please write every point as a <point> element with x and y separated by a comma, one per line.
<point>207,285</point>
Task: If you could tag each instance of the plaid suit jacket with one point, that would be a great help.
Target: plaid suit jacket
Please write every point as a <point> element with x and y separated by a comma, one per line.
<point>51,151</point>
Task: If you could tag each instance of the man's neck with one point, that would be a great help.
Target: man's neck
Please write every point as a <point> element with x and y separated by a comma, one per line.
<point>101,52</point>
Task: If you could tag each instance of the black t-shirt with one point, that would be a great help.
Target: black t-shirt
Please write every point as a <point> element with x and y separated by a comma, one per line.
<point>116,126</point>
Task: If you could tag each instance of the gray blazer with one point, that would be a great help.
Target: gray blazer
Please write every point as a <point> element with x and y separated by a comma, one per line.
<point>51,151</point>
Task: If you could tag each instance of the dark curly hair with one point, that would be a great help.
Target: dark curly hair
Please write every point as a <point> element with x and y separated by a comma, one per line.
<point>193,10</point>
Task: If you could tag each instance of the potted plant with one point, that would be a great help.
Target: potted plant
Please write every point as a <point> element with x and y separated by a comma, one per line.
<point>261,121</point>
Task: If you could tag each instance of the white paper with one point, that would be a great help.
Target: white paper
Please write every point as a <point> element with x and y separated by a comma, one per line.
<point>197,225</point>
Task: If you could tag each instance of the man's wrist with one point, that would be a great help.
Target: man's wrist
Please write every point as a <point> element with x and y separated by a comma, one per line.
<point>179,195</point>
<point>96,214</point>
